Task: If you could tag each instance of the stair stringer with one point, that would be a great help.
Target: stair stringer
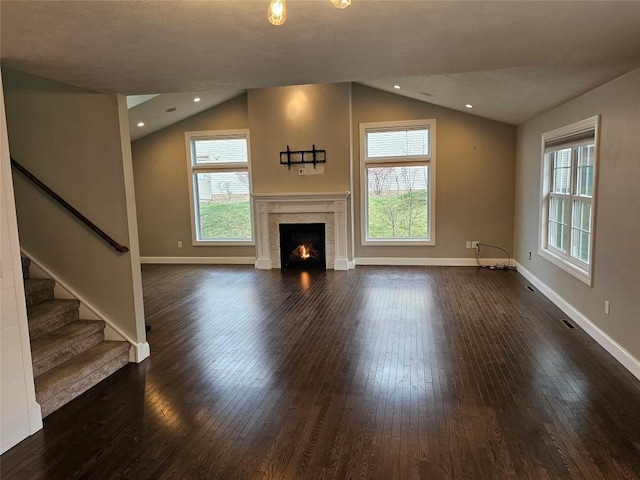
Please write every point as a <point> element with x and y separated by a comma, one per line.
<point>138,351</point>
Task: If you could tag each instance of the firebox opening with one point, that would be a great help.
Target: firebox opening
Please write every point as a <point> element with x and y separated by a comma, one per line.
<point>302,245</point>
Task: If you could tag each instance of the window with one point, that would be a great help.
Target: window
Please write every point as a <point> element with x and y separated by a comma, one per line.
<point>397,182</point>
<point>568,197</point>
<point>219,185</point>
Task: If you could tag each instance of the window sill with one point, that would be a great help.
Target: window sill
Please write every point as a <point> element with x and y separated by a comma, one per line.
<point>404,242</point>
<point>223,243</point>
<point>584,276</point>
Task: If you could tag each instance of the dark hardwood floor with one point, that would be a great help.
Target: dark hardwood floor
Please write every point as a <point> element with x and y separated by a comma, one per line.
<point>377,373</point>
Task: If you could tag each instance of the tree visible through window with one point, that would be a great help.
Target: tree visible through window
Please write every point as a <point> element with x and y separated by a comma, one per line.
<point>398,199</point>
<point>397,173</point>
<point>219,167</point>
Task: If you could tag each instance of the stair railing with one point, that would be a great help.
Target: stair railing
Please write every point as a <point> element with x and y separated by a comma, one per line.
<point>119,248</point>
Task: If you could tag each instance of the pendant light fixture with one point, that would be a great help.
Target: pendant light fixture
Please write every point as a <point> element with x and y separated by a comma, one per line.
<point>277,13</point>
<point>341,3</point>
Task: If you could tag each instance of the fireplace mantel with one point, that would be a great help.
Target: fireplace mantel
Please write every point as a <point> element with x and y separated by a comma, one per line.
<point>307,204</point>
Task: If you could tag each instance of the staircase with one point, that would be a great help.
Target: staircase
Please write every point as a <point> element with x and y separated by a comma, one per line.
<point>69,355</point>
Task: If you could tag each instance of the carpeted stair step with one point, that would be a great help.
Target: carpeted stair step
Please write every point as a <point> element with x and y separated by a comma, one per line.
<point>50,315</point>
<point>37,290</point>
<point>70,379</point>
<point>56,347</point>
<point>26,263</point>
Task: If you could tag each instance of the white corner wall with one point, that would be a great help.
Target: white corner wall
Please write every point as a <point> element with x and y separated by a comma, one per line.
<point>20,415</point>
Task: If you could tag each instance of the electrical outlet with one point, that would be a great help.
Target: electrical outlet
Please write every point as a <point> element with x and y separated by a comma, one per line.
<point>468,244</point>
<point>179,244</point>
<point>302,171</point>
<point>606,307</point>
<point>475,244</point>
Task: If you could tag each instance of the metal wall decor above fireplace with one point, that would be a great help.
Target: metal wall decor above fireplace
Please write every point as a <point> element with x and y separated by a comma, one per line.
<point>302,245</point>
<point>295,157</point>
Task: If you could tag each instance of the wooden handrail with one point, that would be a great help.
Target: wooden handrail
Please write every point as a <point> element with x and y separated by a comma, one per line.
<point>119,248</point>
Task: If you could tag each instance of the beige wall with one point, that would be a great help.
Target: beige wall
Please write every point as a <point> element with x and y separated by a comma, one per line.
<point>616,267</point>
<point>475,164</point>
<point>299,116</point>
<point>162,184</point>
<point>20,415</point>
<point>72,140</point>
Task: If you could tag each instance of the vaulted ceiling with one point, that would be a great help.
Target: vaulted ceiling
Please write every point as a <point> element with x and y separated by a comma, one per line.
<point>510,59</point>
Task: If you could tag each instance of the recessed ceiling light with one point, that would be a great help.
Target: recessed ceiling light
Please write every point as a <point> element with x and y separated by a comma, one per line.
<point>197,99</point>
<point>469,105</point>
<point>141,124</point>
<point>397,87</point>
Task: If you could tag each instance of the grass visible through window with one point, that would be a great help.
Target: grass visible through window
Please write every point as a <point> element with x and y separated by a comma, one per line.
<point>401,216</point>
<point>230,220</point>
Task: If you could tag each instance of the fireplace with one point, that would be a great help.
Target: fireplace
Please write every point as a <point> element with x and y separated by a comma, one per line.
<point>273,209</point>
<point>302,245</point>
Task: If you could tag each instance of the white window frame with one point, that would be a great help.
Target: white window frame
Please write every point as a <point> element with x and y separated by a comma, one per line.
<point>193,169</point>
<point>565,260</point>
<point>426,160</point>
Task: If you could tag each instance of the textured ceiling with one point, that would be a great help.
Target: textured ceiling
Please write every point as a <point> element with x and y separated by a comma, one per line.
<point>169,108</point>
<point>511,60</point>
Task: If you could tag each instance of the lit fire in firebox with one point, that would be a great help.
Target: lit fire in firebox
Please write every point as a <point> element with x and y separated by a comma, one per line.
<point>305,251</point>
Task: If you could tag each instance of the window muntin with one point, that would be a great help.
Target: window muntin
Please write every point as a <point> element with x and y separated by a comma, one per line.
<point>570,201</point>
<point>561,171</point>
<point>220,187</point>
<point>568,197</point>
<point>558,223</point>
<point>397,182</point>
<point>585,167</point>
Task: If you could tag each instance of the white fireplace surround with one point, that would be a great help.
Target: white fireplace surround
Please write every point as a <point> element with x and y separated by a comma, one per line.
<point>271,209</point>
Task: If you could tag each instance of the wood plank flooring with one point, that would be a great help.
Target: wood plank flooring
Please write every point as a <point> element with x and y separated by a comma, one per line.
<point>378,373</point>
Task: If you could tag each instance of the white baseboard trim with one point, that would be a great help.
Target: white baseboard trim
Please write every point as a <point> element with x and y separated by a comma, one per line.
<point>341,264</point>
<point>35,417</point>
<point>263,264</point>
<point>201,260</point>
<point>95,311</point>
<point>431,262</point>
<point>139,352</point>
<point>610,345</point>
